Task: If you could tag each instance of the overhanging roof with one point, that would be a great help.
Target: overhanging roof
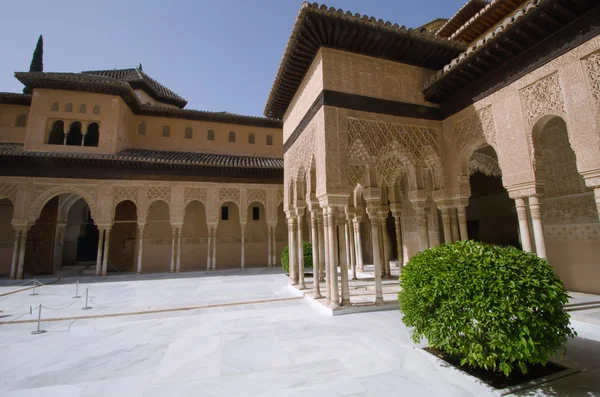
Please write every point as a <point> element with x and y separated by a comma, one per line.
<point>318,26</point>
<point>13,98</point>
<point>465,13</point>
<point>487,17</point>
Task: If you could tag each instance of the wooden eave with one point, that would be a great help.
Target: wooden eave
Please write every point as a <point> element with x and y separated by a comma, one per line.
<point>465,13</point>
<point>13,98</point>
<point>319,26</point>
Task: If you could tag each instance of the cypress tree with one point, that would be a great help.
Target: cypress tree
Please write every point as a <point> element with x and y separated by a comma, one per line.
<point>37,61</point>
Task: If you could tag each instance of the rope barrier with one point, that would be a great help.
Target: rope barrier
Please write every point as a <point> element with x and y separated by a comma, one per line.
<point>22,315</point>
<point>61,308</point>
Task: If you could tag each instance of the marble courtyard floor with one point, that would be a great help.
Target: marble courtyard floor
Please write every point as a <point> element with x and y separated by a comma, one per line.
<point>242,333</point>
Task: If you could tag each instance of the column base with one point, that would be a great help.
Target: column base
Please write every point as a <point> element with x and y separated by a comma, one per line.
<point>345,302</point>
<point>317,296</point>
<point>334,305</point>
<point>302,286</point>
<point>378,301</point>
<point>354,278</point>
<point>139,273</point>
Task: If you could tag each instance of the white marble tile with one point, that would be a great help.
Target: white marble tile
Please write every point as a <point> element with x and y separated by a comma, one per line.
<point>252,350</point>
<point>326,347</point>
<point>62,391</point>
<point>131,387</point>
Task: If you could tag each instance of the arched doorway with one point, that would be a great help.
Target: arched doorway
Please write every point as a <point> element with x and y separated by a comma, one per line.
<point>123,237</point>
<point>256,236</point>
<point>281,234</point>
<point>194,244</point>
<point>7,236</point>
<point>491,213</point>
<point>229,235</point>
<point>158,238</point>
<point>569,214</point>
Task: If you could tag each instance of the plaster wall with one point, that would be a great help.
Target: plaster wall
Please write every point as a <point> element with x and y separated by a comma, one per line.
<point>9,132</point>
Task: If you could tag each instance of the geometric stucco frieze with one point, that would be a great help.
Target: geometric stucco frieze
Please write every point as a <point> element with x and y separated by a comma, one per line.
<point>542,98</point>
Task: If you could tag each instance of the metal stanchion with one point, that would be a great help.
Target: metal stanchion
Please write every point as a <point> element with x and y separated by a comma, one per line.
<point>33,292</point>
<point>77,291</point>
<point>86,307</point>
<point>38,330</point>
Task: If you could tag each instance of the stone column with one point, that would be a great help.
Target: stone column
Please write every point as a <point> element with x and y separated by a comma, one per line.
<point>383,213</point>
<point>300,249</point>
<point>538,230</point>
<point>357,239</point>
<point>325,254</point>
<point>597,198</point>
<point>15,256</point>
<point>315,252</point>
<point>100,250</point>
<point>372,212</point>
<point>59,245</point>
<point>274,252</point>
<point>341,222</point>
<point>209,248</point>
<point>173,243</point>
<point>523,224</point>
<point>423,227</point>
<point>446,224</point>
<point>269,248</point>
<point>321,239</point>
<point>105,253</point>
<point>140,247</point>
<point>214,248</point>
<point>22,249</point>
<point>293,278</point>
<point>178,263</point>
<point>351,244</point>
<point>243,257</point>
<point>396,209</point>
<point>333,259</point>
<point>454,225</point>
<point>462,222</point>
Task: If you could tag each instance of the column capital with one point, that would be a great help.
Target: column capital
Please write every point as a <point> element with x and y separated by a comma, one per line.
<point>396,209</point>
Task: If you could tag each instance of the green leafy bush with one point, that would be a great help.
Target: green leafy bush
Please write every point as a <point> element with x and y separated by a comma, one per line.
<point>285,257</point>
<point>491,307</point>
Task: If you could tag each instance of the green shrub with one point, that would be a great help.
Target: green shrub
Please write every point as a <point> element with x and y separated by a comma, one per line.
<point>285,257</point>
<point>493,307</point>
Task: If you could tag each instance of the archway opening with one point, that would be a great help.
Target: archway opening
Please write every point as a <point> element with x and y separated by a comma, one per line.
<point>256,235</point>
<point>7,236</point>
<point>57,133</point>
<point>158,238</point>
<point>75,135</point>
<point>194,243</point>
<point>229,237</point>
<point>123,237</point>
<point>569,214</point>
<point>491,213</point>
<point>281,234</point>
<point>93,135</point>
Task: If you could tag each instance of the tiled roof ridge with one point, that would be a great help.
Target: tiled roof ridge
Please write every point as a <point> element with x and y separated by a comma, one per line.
<point>457,13</point>
<point>433,20</point>
<point>347,15</point>
<point>476,17</point>
<point>157,156</point>
<point>481,43</point>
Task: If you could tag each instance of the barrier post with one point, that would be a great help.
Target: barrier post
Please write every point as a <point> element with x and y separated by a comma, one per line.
<point>33,292</point>
<point>77,291</point>
<point>86,300</point>
<point>38,330</point>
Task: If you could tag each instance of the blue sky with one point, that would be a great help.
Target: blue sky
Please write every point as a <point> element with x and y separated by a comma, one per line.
<point>218,54</point>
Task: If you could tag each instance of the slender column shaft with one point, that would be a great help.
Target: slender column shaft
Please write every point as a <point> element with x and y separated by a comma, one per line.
<point>105,254</point>
<point>22,249</point>
<point>325,232</point>
<point>178,264</point>
<point>446,224</point>
<point>292,251</point>
<point>214,249</point>
<point>454,225</point>
<point>209,249</point>
<point>269,252</point>
<point>15,256</point>
<point>140,248</point>
<point>523,224</point>
<point>300,252</point>
<point>344,262</point>
<point>173,243</point>
<point>99,254</point>
<point>320,232</point>
<point>386,247</point>
<point>359,255</point>
<point>597,198</point>
<point>462,222</point>
<point>274,237</point>
<point>423,228</point>
<point>399,246</point>
<point>243,257</point>
<point>351,247</point>
<point>381,248</point>
<point>376,259</point>
<point>333,262</point>
<point>538,230</point>
<point>315,254</point>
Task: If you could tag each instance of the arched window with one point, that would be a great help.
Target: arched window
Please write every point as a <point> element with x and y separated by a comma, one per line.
<point>21,120</point>
<point>251,138</point>
<point>142,129</point>
<point>231,136</point>
<point>57,133</point>
<point>188,133</point>
<point>166,131</point>
<point>96,109</point>
<point>210,136</point>
<point>82,108</point>
<point>92,136</point>
<point>68,107</point>
<point>74,136</point>
<point>54,107</point>
<point>270,140</point>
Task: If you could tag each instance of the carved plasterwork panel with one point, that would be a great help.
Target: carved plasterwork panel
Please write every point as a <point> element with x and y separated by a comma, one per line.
<point>9,191</point>
<point>588,231</point>
<point>43,193</point>
<point>542,98</point>
<point>355,174</point>
<point>257,195</point>
<point>485,164</point>
<point>154,193</point>
<point>299,157</point>
<point>592,69</point>
<point>194,193</point>
<point>279,197</point>
<point>389,168</point>
<point>474,129</point>
<point>229,194</point>
<point>125,192</point>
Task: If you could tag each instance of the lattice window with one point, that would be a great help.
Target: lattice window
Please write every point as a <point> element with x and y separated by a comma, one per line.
<point>194,193</point>
<point>258,195</point>
<point>229,194</point>
<point>159,193</point>
<point>122,193</point>
<point>355,175</point>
